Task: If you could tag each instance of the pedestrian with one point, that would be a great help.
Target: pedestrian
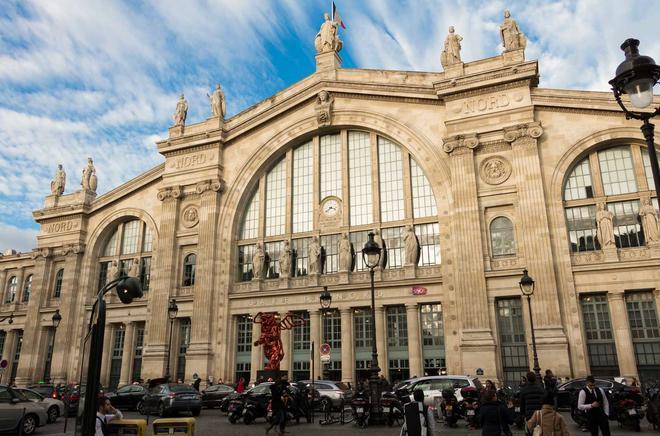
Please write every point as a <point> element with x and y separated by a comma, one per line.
<point>593,401</point>
<point>550,382</point>
<point>550,421</point>
<point>385,385</point>
<point>418,418</point>
<point>240,387</point>
<point>531,396</point>
<point>490,386</point>
<point>196,383</point>
<point>279,399</point>
<point>104,415</point>
<point>494,417</point>
<point>523,382</point>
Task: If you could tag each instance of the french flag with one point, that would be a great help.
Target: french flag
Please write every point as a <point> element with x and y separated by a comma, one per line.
<point>336,18</point>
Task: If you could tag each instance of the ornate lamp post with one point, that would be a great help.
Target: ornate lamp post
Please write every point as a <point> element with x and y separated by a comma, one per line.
<point>57,318</point>
<point>636,76</point>
<point>527,287</point>
<point>371,257</point>
<point>172,311</point>
<point>326,300</point>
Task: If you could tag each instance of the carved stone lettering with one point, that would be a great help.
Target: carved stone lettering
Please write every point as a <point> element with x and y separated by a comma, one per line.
<point>189,161</point>
<point>60,227</point>
<point>483,104</point>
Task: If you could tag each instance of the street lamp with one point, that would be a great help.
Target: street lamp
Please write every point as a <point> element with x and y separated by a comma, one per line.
<point>172,311</point>
<point>56,319</point>
<point>636,76</point>
<point>326,300</point>
<point>527,287</point>
<point>371,257</point>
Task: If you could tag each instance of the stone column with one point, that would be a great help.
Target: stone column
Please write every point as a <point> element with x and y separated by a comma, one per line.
<point>347,360</point>
<point>622,336</point>
<point>108,338</point>
<point>477,344</point>
<point>256,358</point>
<point>381,333</point>
<point>414,343</point>
<point>200,352</point>
<point>8,354</point>
<point>286,364</point>
<point>315,336</point>
<point>127,354</point>
<point>162,281</point>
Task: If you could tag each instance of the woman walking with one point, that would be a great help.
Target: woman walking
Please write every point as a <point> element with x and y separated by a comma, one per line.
<point>494,416</point>
<point>550,421</point>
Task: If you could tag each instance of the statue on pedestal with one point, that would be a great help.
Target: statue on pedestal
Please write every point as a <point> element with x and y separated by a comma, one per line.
<point>345,250</point>
<point>181,112</point>
<point>512,37</point>
<point>217,100</point>
<point>271,335</point>
<point>605,231</point>
<point>285,259</point>
<point>451,55</point>
<point>134,268</point>
<point>327,39</point>
<point>649,218</point>
<point>314,255</point>
<point>89,181</point>
<point>113,272</point>
<point>258,260</point>
<point>412,246</point>
<point>58,182</point>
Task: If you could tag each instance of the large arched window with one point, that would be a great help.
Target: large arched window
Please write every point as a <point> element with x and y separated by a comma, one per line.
<point>27,289</point>
<point>619,177</point>
<point>189,265</point>
<point>351,180</point>
<point>57,285</point>
<point>128,241</point>
<point>502,239</point>
<point>10,293</point>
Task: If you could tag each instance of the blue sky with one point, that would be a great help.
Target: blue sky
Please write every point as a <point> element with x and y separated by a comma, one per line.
<point>101,78</point>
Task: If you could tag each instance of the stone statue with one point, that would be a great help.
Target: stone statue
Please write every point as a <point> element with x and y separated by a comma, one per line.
<point>451,55</point>
<point>383,254</point>
<point>58,182</point>
<point>411,245</point>
<point>512,37</point>
<point>181,112</point>
<point>134,268</point>
<point>649,218</point>
<point>327,39</point>
<point>605,232</point>
<point>324,108</point>
<point>113,272</point>
<point>258,260</point>
<point>314,255</point>
<point>345,253</point>
<point>88,181</point>
<point>285,259</point>
<point>217,100</point>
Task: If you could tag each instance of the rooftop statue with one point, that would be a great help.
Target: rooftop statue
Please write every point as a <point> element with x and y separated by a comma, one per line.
<point>217,100</point>
<point>327,39</point>
<point>89,181</point>
<point>58,182</point>
<point>451,55</point>
<point>181,112</point>
<point>512,37</point>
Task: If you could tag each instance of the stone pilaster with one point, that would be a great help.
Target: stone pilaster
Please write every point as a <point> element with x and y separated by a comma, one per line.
<point>8,353</point>
<point>127,354</point>
<point>347,360</point>
<point>162,281</point>
<point>256,357</point>
<point>315,336</point>
<point>622,336</point>
<point>200,353</point>
<point>381,333</point>
<point>414,343</point>
<point>286,364</point>
<point>108,338</point>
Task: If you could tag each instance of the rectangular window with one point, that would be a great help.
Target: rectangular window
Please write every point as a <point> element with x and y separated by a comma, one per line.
<point>117,352</point>
<point>358,239</point>
<point>581,223</point>
<point>330,245</point>
<point>124,266</point>
<point>397,327</point>
<point>300,370</point>
<point>362,328</point>
<point>598,333</point>
<point>513,346</point>
<point>390,168</point>
<point>27,289</point>
<point>303,188</point>
<point>646,157</point>
<point>433,339</point>
<point>422,194</point>
<point>184,342</point>
<point>627,229</point>
<point>111,247</point>
<point>145,272</point>
<point>276,199</point>
<point>359,175</point>
<point>250,227</point>
<point>50,343</point>
<point>299,251</point>
<point>103,274</point>
<point>643,320</point>
<point>17,354</point>
<point>273,252</point>
<point>617,172</point>
<point>301,333</point>
<point>332,331</point>
<point>393,238</point>
<point>245,253</point>
<point>244,334</point>
<point>399,369</point>
<point>147,239</point>
<point>137,354</point>
<point>331,174</point>
<point>428,236</point>
<point>129,242</point>
<point>578,185</point>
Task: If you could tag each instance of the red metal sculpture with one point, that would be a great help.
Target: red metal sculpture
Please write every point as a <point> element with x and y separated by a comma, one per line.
<point>271,328</point>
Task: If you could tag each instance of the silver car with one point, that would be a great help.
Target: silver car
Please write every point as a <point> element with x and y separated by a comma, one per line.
<point>331,391</point>
<point>54,408</point>
<point>16,410</point>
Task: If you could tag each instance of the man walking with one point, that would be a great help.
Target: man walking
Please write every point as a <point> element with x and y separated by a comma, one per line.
<point>279,398</point>
<point>531,396</point>
<point>593,401</point>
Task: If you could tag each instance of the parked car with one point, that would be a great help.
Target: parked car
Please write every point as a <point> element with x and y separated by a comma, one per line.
<point>127,397</point>
<point>48,390</point>
<point>213,395</point>
<point>434,385</point>
<point>54,408</point>
<point>169,398</point>
<point>331,391</point>
<point>567,392</point>
<point>72,396</point>
<point>17,412</point>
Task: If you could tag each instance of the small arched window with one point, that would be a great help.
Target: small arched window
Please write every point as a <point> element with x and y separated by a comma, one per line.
<point>10,295</point>
<point>502,240</point>
<point>189,264</point>
<point>57,288</point>
<point>27,289</point>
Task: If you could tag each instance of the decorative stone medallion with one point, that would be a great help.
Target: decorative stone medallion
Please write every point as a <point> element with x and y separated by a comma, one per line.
<point>190,217</point>
<point>495,170</point>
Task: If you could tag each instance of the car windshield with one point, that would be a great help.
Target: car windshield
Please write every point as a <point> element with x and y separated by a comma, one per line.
<point>43,390</point>
<point>21,396</point>
<point>343,386</point>
<point>182,388</point>
<point>32,395</point>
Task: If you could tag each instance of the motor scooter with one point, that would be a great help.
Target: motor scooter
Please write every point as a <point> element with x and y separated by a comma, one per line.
<point>392,408</point>
<point>450,408</point>
<point>361,407</point>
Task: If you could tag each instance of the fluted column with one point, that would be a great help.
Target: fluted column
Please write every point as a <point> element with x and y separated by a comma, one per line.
<point>347,360</point>
<point>622,336</point>
<point>127,354</point>
<point>315,336</point>
<point>414,343</point>
<point>381,334</point>
<point>256,357</point>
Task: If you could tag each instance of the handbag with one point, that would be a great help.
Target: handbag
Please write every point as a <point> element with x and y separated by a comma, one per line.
<point>538,430</point>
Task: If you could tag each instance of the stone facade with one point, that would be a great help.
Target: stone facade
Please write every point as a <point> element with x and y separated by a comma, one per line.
<point>489,141</point>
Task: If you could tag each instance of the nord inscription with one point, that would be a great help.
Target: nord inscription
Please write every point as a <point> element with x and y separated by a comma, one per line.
<point>483,104</point>
<point>189,161</point>
<point>63,226</point>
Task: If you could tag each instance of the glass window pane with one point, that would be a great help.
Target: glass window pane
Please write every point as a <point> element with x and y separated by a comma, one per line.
<point>432,328</point>
<point>646,158</point>
<point>330,244</point>
<point>428,236</point>
<point>358,239</point>
<point>393,238</point>
<point>301,333</point>
<point>130,237</point>
<point>273,253</point>
<point>598,332</point>
<point>145,272</point>
<point>244,334</point>
<point>627,229</point>
<point>303,188</point>
<point>331,331</point>
<point>390,168</point>
<point>276,199</point>
<point>502,239</point>
<point>57,291</point>
<point>250,227</point>
<point>147,239</point>
<point>578,185</point>
<point>397,327</point>
<point>362,326</point>
<point>27,289</point>
<point>616,168</point>
<point>359,174</point>
<point>581,224</point>
<point>245,253</point>
<point>299,252</point>
<point>422,194</point>
<point>10,293</point>
<point>513,345</point>
<point>189,266</point>
<point>111,246</point>
<point>331,171</point>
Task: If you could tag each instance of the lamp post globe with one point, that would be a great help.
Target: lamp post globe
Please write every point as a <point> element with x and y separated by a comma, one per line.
<point>325,299</point>
<point>172,309</point>
<point>526,284</point>
<point>57,318</point>
<point>371,252</point>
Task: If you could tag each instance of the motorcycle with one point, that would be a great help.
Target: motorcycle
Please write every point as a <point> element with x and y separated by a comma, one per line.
<point>450,408</point>
<point>626,409</point>
<point>361,405</point>
<point>235,409</point>
<point>255,407</point>
<point>470,405</point>
<point>653,405</point>
<point>392,408</point>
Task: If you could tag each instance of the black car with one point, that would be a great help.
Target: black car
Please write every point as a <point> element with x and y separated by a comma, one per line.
<point>127,397</point>
<point>213,395</point>
<point>169,398</point>
<point>567,392</point>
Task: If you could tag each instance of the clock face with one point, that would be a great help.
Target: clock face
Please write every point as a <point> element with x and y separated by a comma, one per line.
<point>331,207</point>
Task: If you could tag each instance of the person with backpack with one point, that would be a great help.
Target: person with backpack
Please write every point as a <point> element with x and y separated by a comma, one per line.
<point>494,417</point>
<point>547,421</point>
<point>418,418</point>
<point>104,415</point>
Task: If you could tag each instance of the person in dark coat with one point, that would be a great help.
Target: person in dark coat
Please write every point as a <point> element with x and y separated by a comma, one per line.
<point>531,396</point>
<point>550,382</point>
<point>494,417</point>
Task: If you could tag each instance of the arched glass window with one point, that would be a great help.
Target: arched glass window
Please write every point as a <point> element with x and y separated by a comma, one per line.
<point>189,264</point>
<point>10,294</point>
<point>502,238</point>
<point>57,286</point>
<point>353,180</point>
<point>27,289</point>
<point>618,177</point>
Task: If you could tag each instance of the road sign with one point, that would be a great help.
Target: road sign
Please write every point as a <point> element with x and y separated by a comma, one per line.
<point>324,349</point>
<point>325,358</point>
<point>4,363</point>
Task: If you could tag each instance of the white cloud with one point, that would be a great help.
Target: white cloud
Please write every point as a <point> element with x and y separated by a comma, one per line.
<point>20,239</point>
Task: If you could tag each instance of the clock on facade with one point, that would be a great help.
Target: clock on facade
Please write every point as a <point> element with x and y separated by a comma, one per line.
<point>330,207</point>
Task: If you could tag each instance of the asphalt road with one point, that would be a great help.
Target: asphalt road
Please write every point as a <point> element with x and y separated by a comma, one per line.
<point>213,422</point>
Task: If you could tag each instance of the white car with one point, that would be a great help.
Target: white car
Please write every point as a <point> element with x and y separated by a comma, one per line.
<point>54,408</point>
<point>16,410</point>
<point>432,386</point>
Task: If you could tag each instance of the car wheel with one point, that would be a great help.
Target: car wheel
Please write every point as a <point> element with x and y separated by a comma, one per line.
<point>53,414</point>
<point>161,410</point>
<point>196,412</point>
<point>140,408</point>
<point>248,418</point>
<point>29,424</point>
